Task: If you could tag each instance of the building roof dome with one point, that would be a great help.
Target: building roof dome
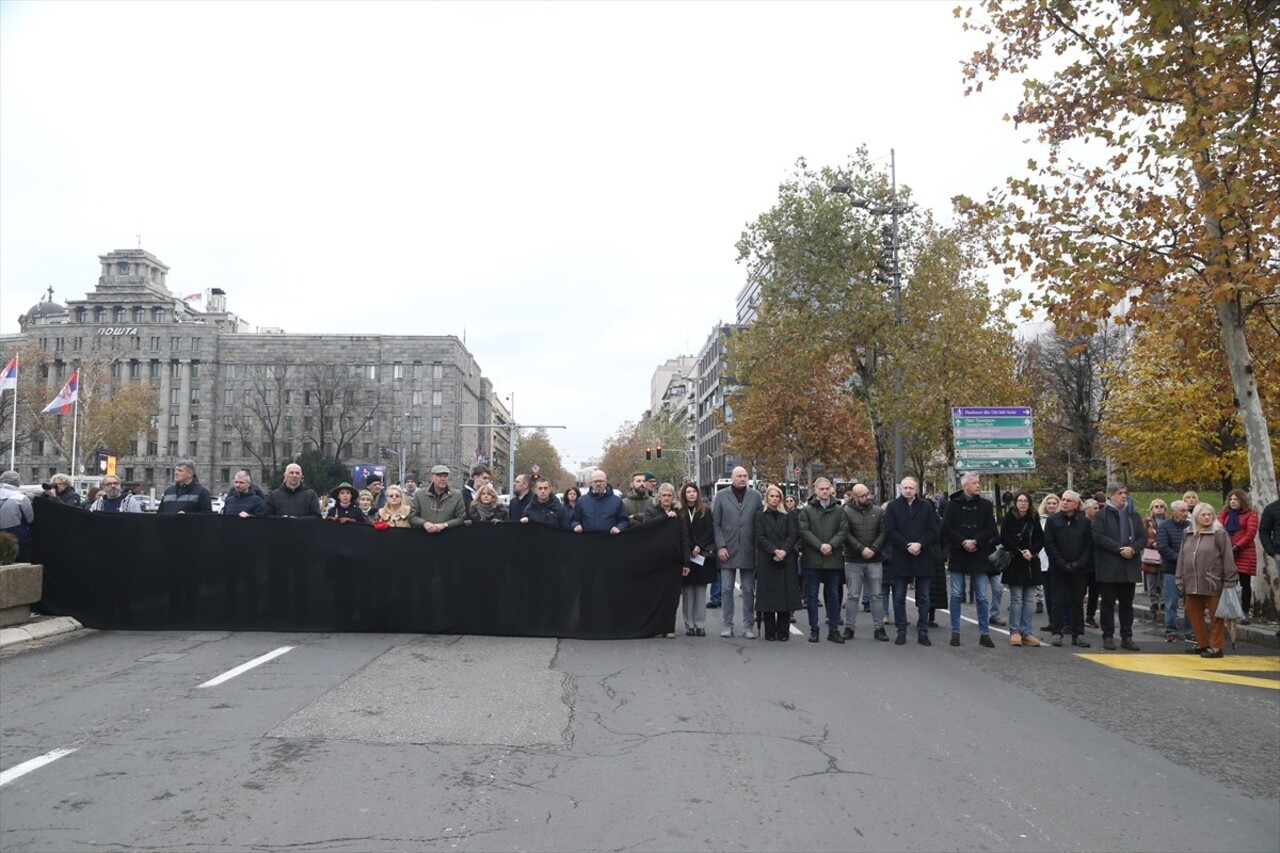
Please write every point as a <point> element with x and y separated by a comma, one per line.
<point>46,307</point>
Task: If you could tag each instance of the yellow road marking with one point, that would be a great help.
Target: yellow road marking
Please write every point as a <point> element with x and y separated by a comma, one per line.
<point>1222,670</point>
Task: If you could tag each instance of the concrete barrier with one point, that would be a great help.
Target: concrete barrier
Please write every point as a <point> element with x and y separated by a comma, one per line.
<point>21,585</point>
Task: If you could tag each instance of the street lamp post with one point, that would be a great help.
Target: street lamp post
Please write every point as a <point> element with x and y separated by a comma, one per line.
<point>893,210</point>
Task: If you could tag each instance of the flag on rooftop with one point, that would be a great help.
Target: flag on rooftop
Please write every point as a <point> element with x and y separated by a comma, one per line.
<point>9,379</point>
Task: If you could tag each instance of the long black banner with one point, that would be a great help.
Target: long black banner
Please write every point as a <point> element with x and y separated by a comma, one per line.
<point>184,572</point>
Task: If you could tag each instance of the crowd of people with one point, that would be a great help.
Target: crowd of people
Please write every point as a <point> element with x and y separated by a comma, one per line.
<point>1076,558</point>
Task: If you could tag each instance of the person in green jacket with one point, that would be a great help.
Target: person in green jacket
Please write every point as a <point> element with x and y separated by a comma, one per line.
<point>437,508</point>
<point>823,529</point>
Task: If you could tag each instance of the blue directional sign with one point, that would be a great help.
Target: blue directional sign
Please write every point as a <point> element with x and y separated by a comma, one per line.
<point>994,438</point>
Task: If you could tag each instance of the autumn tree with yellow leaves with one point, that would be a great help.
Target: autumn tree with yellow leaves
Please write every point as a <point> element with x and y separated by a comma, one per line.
<point>1159,188</point>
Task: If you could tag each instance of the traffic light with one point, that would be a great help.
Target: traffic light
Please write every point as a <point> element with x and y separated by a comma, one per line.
<point>659,451</point>
<point>648,453</point>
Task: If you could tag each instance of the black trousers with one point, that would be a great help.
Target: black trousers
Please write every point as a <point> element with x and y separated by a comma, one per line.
<point>1065,603</point>
<point>777,623</point>
<point>1109,594</point>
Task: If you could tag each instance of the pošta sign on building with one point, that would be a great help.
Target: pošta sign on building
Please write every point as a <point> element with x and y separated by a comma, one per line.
<point>994,438</point>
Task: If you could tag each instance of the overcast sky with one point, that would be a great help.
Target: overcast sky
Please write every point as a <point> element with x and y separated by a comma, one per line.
<point>563,183</point>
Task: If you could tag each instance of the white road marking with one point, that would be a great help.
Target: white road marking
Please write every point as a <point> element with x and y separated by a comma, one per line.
<point>245,667</point>
<point>963,618</point>
<point>34,764</point>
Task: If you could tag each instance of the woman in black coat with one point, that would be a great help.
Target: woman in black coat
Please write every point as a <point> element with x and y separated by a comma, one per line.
<point>776,592</point>
<point>1022,536</point>
<point>700,534</point>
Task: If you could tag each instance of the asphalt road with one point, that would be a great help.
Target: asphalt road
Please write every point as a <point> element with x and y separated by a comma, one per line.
<point>396,742</point>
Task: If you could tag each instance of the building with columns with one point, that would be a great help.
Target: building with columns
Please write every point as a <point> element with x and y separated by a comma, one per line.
<point>232,397</point>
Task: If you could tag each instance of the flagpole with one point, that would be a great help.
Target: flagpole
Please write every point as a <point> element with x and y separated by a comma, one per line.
<point>13,439</point>
<point>75,424</point>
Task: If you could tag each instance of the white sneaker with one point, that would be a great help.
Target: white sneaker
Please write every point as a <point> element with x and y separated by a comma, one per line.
<point>727,632</point>
<point>748,634</point>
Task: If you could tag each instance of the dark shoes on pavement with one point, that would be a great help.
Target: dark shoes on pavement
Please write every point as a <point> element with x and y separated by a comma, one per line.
<point>702,632</point>
<point>1080,641</point>
<point>1128,643</point>
<point>1109,644</point>
<point>1091,622</point>
<point>998,622</point>
<point>1056,641</point>
<point>847,633</point>
<point>1196,650</point>
<point>901,639</point>
<point>955,639</point>
<point>923,639</point>
<point>985,640</point>
<point>834,637</point>
<point>882,635</point>
<point>815,635</point>
<point>1211,653</point>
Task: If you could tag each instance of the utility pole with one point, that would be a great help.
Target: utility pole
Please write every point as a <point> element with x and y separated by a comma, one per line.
<point>894,211</point>
<point>513,431</point>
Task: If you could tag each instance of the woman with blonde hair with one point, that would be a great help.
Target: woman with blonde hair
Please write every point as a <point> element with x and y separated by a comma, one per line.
<point>777,594</point>
<point>1205,569</point>
<point>396,513</point>
<point>485,507</point>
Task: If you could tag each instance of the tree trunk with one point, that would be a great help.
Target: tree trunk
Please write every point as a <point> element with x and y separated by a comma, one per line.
<point>1262,466</point>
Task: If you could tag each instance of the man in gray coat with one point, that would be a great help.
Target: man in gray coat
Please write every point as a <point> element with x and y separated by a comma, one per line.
<point>1119,535</point>
<point>733,514</point>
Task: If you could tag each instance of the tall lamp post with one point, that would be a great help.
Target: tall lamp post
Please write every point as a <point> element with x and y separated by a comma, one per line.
<point>893,210</point>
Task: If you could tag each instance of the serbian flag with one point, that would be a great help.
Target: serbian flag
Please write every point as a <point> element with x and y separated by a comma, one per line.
<point>9,379</point>
<point>69,394</point>
<point>193,297</point>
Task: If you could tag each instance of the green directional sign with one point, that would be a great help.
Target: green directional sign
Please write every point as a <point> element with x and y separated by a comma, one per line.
<point>994,438</point>
<point>962,443</point>
<point>990,422</point>
<point>973,464</point>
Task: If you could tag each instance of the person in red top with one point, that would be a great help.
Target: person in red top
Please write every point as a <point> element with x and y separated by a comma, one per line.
<point>1240,520</point>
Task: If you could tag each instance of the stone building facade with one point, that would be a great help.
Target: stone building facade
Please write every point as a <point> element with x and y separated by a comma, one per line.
<point>231,397</point>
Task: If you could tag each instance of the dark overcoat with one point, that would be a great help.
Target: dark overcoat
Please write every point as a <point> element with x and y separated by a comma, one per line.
<point>776,587</point>
<point>911,522</point>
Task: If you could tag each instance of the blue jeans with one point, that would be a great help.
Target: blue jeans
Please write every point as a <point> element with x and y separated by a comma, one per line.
<point>980,591</point>
<point>1022,609</point>
<point>997,594</point>
<point>900,605</point>
<point>1171,597</point>
<point>830,580</point>
<point>714,597</point>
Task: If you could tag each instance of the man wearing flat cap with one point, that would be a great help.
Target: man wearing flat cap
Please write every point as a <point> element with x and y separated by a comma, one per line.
<point>374,484</point>
<point>437,508</point>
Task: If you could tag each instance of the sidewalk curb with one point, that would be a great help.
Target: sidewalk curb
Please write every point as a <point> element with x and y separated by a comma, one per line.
<point>38,630</point>
<point>1260,634</point>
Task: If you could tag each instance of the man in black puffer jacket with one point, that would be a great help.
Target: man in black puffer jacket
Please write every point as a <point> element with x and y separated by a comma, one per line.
<point>545,508</point>
<point>292,499</point>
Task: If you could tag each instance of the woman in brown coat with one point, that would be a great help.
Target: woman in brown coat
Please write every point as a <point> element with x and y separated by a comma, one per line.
<point>1205,568</point>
